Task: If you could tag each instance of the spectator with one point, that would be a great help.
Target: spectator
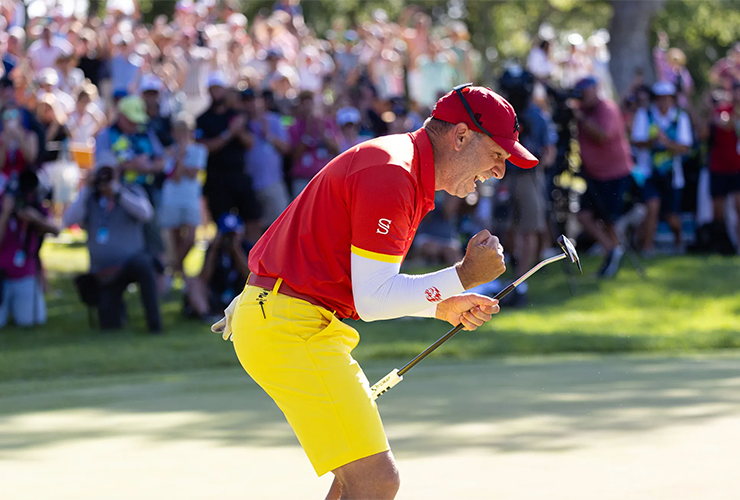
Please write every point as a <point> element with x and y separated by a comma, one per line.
<point>23,222</point>
<point>45,51</point>
<point>52,118</point>
<point>194,61</point>
<point>89,56</point>
<point>225,269</point>
<point>48,80</point>
<point>151,87</point>
<point>607,164</point>
<point>125,63</point>
<point>726,72</point>
<point>140,161</point>
<point>313,146</point>
<point>528,210</point>
<point>28,123</point>
<point>663,133</point>
<point>273,59</point>
<point>14,41</point>
<point>180,211</point>
<point>114,216</point>
<point>724,167</point>
<point>348,119</point>
<point>223,130</point>
<point>70,77</point>
<point>87,120</point>
<point>264,160</point>
<point>19,146</point>
<point>538,60</point>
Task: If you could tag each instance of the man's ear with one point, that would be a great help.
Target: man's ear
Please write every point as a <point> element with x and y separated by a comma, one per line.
<point>461,134</point>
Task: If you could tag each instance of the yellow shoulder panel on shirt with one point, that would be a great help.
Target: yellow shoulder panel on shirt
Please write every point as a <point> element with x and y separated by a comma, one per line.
<point>393,259</point>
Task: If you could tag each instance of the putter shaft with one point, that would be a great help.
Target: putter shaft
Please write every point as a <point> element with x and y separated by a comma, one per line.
<point>396,376</point>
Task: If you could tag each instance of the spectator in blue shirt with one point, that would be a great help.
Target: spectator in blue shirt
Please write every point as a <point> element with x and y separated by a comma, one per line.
<point>264,160</point>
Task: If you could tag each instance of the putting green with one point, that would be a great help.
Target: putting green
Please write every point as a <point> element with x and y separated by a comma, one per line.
<point>555,428</point>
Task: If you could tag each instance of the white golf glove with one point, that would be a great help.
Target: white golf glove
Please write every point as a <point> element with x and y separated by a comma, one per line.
<point>223,326</point>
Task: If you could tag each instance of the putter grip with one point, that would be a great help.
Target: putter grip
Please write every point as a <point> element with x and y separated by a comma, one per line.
<point>382,386</point>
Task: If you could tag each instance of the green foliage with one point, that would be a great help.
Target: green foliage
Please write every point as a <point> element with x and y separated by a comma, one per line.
<point>703,30</point>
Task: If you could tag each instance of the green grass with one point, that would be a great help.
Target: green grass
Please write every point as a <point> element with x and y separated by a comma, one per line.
<point>685,304</point>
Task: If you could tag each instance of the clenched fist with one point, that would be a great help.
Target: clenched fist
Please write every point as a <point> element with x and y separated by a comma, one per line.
<point>470,309</point>
<point>483,261</point>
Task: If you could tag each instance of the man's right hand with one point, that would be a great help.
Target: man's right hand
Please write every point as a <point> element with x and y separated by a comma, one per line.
<point>483,261</point>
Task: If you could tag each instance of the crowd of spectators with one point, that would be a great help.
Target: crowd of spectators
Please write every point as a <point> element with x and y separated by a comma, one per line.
<point>143,133</point>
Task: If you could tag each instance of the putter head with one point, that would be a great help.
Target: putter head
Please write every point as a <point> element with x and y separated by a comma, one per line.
<point>570,251</point>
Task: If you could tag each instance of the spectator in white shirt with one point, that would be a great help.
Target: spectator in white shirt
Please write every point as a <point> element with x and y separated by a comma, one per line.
<point>45,51</point>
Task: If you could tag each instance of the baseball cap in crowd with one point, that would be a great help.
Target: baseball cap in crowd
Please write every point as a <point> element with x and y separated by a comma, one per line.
<point>125,38</point>
<point>586,83</point>
<point>48,76</point>
<point>134,109</point>
<point>274,53</point>
<point>119,94</point>
<point>150,82</point>
<point>663,88</point>
<point>217,79</point>
<point>347,115</point>
<point>484,111</point>
<point>229,223</point>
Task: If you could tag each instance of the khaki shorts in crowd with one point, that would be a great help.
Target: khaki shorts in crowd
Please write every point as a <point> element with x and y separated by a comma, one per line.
<point>273,199</point>
<point>528,209</point>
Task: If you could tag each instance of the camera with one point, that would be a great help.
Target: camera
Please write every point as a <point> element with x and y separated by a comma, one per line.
<point>103,177</point>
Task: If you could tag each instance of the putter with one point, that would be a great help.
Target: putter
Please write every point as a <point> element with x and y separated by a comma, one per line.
<point>394,377</point>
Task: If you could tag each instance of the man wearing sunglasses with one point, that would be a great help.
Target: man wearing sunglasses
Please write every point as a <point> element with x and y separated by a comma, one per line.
<point>336,253</point>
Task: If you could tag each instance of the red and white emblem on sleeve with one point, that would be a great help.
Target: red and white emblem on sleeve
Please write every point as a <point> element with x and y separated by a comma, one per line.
<point>432,294</point>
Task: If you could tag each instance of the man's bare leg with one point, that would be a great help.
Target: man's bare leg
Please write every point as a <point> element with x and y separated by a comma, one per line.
<point>604,237</point>
<point>335,492</point>
<point>370,478</point>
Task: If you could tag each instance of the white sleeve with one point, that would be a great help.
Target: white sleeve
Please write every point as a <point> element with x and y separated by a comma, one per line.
<point>684,136</point>
<point>640,131</point>
<point>380,292</point>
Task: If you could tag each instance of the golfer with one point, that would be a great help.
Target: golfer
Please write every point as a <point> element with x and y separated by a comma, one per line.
<point>336,252</point>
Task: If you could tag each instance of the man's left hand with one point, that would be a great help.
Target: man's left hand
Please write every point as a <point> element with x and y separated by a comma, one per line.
<point>470,309</point>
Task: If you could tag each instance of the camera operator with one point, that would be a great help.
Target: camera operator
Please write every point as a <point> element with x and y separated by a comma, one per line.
<point>114,216</point>
<point>23,221</point>
<point>225,269</point>
<point>607,167</point>
<point>140,158</point>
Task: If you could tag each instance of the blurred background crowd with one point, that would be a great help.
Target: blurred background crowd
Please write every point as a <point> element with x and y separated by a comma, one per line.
<point>200,127</point>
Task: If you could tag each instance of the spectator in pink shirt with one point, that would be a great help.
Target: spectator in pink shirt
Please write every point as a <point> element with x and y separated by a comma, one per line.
<point>313,146</point>
<point>606,165</point>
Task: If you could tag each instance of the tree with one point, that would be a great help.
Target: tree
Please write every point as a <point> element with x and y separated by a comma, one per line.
<point>629,42</point>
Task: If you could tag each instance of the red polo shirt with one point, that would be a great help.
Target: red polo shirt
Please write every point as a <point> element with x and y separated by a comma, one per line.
<point>723,155</point>
<point>369,200</point>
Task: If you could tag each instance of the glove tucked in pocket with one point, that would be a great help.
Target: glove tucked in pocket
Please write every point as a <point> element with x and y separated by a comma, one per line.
<point>223,326</point>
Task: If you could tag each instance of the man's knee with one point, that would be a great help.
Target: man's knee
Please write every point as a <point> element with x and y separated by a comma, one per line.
<point>376,475</point>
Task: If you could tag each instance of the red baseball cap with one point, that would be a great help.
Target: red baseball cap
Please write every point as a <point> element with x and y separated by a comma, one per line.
<point>489,114</point>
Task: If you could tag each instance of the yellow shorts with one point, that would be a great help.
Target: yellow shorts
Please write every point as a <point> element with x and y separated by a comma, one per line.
<point>300,355</point>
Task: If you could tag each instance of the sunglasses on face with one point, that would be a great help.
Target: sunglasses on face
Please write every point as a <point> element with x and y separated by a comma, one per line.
<point>459,91</point>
